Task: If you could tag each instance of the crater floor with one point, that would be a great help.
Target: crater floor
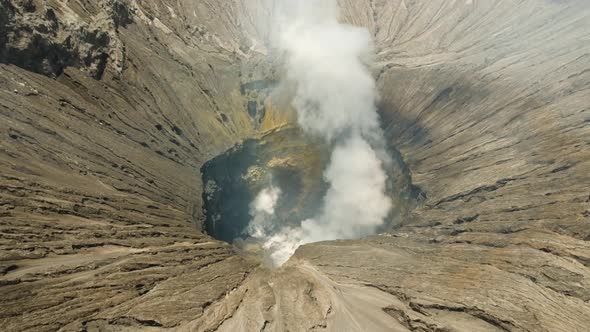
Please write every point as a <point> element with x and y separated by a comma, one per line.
<point>292,163</point>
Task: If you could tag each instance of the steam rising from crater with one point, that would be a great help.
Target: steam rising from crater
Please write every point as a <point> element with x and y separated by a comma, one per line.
<point>335,91</point>
<point>262,211</point>
<point>335,99</point>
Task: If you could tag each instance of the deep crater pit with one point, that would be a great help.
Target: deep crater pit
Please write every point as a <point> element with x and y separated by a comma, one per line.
<point>288,159</point>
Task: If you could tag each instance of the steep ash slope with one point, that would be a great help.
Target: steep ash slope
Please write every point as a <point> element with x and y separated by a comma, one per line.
<point>109,109</point>
<point>100,173</point>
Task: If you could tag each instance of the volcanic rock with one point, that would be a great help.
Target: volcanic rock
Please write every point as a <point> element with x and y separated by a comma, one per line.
<point>109,109</point>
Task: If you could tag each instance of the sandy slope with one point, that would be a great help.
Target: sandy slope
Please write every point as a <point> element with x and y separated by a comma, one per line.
<point>103,134</point>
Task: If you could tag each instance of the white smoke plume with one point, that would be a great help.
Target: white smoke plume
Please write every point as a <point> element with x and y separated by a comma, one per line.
<point>262,211</point>
<point>335,90</point>
<point>335,99</point>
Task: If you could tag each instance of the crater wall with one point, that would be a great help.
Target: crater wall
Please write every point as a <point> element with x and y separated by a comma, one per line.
<point>104,132</point>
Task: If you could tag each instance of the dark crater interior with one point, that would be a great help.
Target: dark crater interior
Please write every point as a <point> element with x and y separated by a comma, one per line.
<point>294,162</point>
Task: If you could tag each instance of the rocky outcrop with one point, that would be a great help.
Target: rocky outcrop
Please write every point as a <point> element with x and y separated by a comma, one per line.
<point>37,39</point>
<point>109,109</point>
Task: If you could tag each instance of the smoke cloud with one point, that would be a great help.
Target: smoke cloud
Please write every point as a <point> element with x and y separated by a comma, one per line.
<point>335,99</point>
<point>335,91</point>
<point>262,211</point>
